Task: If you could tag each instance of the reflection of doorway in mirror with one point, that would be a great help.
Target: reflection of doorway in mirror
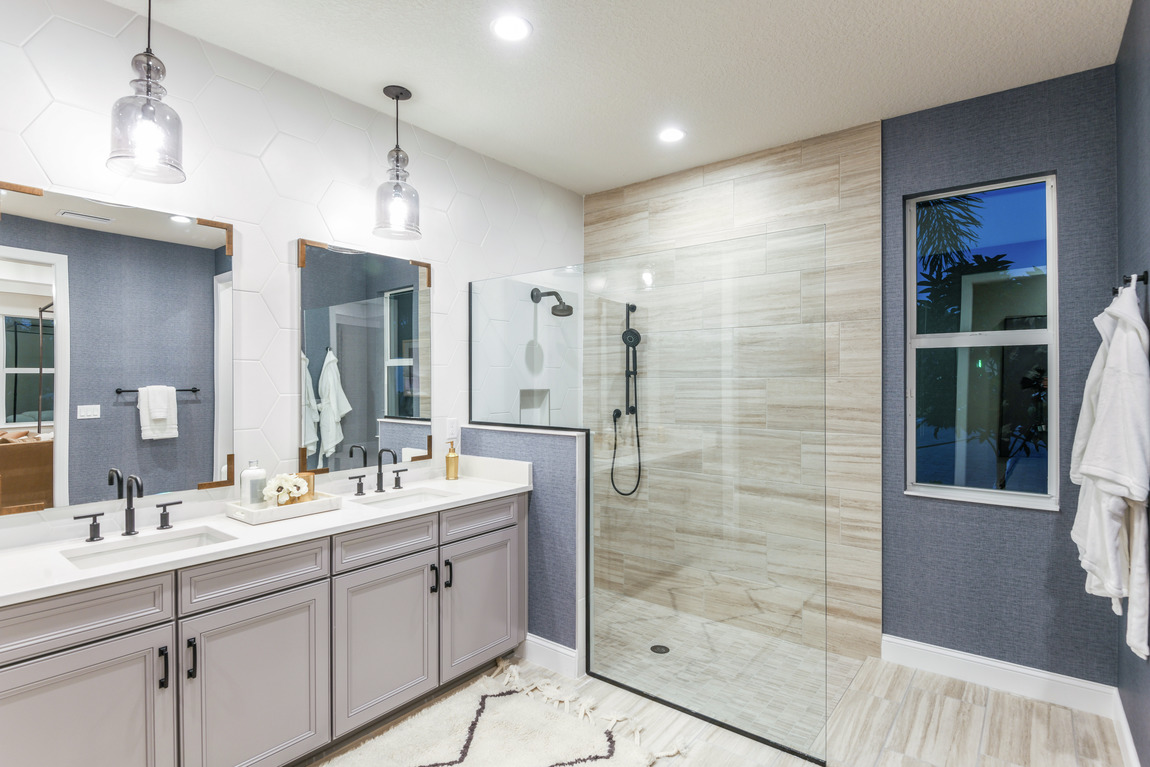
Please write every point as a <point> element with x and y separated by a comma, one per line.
<point>33,475</point>
<point>224,436</point>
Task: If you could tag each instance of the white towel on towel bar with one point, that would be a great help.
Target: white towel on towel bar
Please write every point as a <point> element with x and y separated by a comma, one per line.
<point>153,401</point>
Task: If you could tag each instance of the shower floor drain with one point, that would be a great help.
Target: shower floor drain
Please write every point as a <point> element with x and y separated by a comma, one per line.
<point>660,649</point>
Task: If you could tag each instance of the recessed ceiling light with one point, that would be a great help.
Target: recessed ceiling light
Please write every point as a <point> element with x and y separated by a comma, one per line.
<point>511,28</point>
<point>181,219</point>
<point>671,135</point>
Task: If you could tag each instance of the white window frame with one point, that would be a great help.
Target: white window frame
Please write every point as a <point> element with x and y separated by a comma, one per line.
<point>390,360</point>
<point>1047,336</point>
<point>21,371</point>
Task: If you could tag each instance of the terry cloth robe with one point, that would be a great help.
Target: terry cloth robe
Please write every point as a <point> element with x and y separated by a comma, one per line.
<point>333,405</point>
<point>1111,463</point>
<point>310,409</point>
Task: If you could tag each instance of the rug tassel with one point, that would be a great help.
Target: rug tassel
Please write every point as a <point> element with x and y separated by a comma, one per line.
<point>613,719</point>
<point>675,751</point>
<point>638,735</point>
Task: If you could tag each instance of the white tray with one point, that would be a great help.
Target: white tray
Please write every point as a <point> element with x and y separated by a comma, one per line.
<point>260,513</point>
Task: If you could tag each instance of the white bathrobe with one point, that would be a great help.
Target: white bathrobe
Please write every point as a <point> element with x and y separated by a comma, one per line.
<point>310,408</point>
<point>333,405</point>
<point>1111,462</point>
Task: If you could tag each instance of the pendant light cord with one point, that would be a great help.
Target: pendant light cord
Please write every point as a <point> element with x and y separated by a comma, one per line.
<point>149,26</point>
<point>396,117</point>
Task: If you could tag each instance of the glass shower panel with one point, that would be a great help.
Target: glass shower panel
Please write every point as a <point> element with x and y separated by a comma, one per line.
<point>705,382</point>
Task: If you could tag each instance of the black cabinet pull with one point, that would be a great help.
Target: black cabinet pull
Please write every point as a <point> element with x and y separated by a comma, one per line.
<point>164,678</point>
<point>195,658</point>
<point>450,573</point>
<point>435,572</point>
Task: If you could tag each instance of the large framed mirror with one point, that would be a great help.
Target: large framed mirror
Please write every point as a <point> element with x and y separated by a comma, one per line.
<point>365,364</point>
<point>99,301</point>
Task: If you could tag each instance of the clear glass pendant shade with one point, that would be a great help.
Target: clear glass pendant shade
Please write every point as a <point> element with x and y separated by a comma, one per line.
<point>397,202</point>
<point>147,135</point>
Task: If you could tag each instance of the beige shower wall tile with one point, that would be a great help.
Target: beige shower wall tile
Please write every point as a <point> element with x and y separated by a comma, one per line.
<point>763,609</point>
<point>863,139</point>
<point>797,563</point>
<point>691,354</point>
<point>809,190</point>
<point>707,401</point>
<point>854,236</point>
<point>860,519</point>
<point>796,404</point>
<point>691,212</point>
<point>670,448</point>
<point>638,533</point>
<point>600,201</point>
<point>854,462</point>
<point>752,452</point>
<point>774,160</point>
<point>814,615</point>
<point>608,231</point>
<point>860,348</point>
<point>723,259</point>
<point>614,282</point>
<point>673,183</point>
<point>834,354</point>
<point>834,516</point>
<point>658,582</point>
<point>795,248</point>
<point>814,295</point>
<point>719,548</point>
<point>675,494</point>
<point>667,308</point>
<point>814,459</point>
<point>779,507</point>
<point>854,575</point>
<point>854,405</point>
<point>608,567</point>
<point>860,181</point>
<point>854,291</point>
<point>854,630</point>
<point>750,301</point>
<point>781,350</point>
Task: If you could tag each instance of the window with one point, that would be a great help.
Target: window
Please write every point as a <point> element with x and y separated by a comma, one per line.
<point>23,399</point>
<point>982,354</point>
<point>402,388</point>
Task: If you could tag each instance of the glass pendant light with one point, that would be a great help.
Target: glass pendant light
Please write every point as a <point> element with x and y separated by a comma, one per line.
<point>396,201</point>
<point>147,136</point>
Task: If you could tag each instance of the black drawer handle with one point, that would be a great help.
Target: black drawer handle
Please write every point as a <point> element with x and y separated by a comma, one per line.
<point>195,658</point>
<point>450,573</point>
<point>164,678</point>
<point>435,572</point>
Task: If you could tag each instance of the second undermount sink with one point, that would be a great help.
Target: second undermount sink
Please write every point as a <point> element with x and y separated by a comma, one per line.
<point>413,497</point>
<point>111,552</point>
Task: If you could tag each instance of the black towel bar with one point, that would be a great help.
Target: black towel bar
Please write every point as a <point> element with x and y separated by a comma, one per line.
<point>194,390</point>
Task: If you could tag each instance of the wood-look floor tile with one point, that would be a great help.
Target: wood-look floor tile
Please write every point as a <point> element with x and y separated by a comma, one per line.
<point>1008,728</point>
<point>1096,739</point>
<point>951,688</point>
<point>883,679</point>
<point>891,759</point>
<point>1052,737</point>
<point>938,730</point>
<point>858,728</point>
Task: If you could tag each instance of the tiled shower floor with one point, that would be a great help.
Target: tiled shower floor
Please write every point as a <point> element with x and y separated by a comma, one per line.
<point>770,687</point>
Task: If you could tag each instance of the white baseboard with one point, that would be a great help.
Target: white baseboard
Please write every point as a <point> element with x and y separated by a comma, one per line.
<point>550,655</point>
<point>1061,690</point>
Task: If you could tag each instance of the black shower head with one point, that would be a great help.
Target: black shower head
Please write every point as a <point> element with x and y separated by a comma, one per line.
<point>631,337</point>
<point>561,309</point>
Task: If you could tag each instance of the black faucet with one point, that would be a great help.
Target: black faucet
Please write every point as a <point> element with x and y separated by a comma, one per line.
<point>362,449</point>
<point>130,512</point>
<point>379,467</point>
<point>116,477</point>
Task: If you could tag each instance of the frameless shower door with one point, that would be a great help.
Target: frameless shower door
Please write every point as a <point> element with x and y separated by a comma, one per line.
<point>704,388</point>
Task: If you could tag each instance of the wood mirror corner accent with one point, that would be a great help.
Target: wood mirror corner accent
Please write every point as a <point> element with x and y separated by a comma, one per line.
<point>303,463</point>
<point>228,250</point>
<point>423,265</point>
<point>301,250</point>
<point>20,189</point>
<point>428,455</point>
<point>231,480</point>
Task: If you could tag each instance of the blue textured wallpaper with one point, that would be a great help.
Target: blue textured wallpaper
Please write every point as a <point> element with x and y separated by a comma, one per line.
<point>142,314</point>
<point>991,580</point>
<point>1133,77</point>
<point>552,522</point>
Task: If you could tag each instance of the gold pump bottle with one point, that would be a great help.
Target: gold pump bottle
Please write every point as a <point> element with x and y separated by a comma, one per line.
<point>452,461</point>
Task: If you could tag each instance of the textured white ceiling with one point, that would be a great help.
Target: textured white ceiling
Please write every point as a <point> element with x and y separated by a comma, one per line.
<point>580,101</point>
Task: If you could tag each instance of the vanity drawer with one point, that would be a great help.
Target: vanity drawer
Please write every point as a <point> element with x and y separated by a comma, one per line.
<point>383,542</point>
<point>231,580</point>
<point>35,628</point>
<point>477,518</point>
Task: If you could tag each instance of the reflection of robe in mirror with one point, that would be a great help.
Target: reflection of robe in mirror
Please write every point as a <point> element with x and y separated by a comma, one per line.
<point>333,406</point>
<point>310,409</point>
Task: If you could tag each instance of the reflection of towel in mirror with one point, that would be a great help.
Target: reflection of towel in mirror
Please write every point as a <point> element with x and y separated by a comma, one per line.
<point>157,405</point>
<point>310,409</point>
<point>1111,461</point>
<point>333,405</point>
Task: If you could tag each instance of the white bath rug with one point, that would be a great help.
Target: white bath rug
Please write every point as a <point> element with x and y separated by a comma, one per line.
<point>497,721</point>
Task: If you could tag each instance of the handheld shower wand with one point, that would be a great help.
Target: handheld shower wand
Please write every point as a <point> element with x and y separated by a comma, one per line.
<point>631,340</point>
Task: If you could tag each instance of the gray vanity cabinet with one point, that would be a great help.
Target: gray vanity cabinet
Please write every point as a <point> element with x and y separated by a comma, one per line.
<point>481,601</point>
<point>254,677</point>
<point>386,638</point>
<point>98,706</point>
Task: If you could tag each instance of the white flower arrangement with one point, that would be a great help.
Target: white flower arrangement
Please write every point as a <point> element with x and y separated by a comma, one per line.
<point>283,487</point>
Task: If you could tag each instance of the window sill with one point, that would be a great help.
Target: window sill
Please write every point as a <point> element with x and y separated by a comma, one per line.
<point>989,497</point>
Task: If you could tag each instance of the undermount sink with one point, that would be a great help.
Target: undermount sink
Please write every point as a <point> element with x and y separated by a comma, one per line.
<point>415,496</point>
<point>106,552</point>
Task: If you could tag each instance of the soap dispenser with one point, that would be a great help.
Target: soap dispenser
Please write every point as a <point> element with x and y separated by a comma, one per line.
<point>452,461</point>
<point>252,481</point>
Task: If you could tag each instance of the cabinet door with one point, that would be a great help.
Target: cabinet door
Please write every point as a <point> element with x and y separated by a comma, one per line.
<point>99,706</point>
<point>255,680</point>
<point>479,604</point>
<point>386,634</point>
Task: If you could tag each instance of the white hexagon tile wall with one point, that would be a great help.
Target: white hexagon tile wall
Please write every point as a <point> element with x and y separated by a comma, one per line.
<point>280,159</point>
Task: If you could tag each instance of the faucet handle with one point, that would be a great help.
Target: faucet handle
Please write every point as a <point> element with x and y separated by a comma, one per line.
<point>165,523</point>
<point>359,484</point>
<point>397,472</point>
<point>93,527</point>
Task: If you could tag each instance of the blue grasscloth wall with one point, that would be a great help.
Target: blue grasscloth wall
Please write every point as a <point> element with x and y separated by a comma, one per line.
<point>1133,77</point>
<point>552,523</point>
<point>993,580</point>
<point>142,313</point>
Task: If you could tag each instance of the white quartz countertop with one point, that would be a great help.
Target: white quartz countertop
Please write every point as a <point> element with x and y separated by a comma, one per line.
<point>42,569</point>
